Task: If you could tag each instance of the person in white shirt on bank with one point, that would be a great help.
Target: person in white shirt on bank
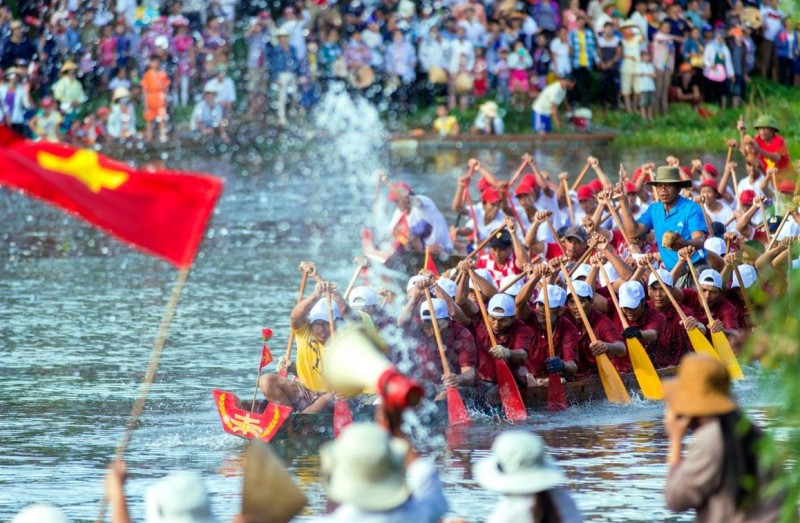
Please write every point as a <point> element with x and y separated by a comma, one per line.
<point>545,107</point>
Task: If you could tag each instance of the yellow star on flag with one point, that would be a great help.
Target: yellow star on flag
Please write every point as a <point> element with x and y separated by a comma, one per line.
<point>83,165</point>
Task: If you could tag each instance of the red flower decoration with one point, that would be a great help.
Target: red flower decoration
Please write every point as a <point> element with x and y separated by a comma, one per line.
<point>266,334</point>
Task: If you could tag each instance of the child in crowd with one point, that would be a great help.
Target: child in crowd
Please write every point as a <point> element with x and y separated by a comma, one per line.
<point>46,122</point>
<point>120,80</point>
<point>647,86</point>
<point>503,74</point>
<point>155,84</point>
<point>519,61</point>
<point>480,80</point>
<point>542,61</point>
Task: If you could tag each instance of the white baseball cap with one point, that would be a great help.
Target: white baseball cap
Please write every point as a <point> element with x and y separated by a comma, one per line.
<point>715,245</point>
<point>363,296</point>
<point>631,294</point>
<point>711,277</point>
<point>749,276</point>
<point>179,497</point>
<point>583,289</point>
<point>412,282</point>
<point>665,275</point>
<point>515,288</point>
<point>486,275</point>
<point>448,286</point>
<point>501,306</point>
<point>319,312</point>
<point>439,309</point>
<point>612,273</point>
<point>555,295</point>
<point>40,513</point>
<point>582,271</point>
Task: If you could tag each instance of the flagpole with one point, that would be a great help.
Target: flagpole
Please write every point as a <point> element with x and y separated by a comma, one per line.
<point>155,358</point>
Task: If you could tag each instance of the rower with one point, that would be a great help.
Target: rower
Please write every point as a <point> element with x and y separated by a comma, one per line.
<point>507,255</point>
<point>309,320</point>
<point>363,300</point>
<point>462,356</point>
<point>673,342</point>
<point>565,337</point>
<point>513,342</point>
<point>572,242</point>
<point>721,309</point>
<point>734,293</point>
<point>677,221</point>
<point>426,224</point>
<point>609,340</point>
<point>489,215</point>
<point>644,322</point>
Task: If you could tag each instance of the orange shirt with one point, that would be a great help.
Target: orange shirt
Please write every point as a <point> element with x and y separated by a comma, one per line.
<point>155,85</point>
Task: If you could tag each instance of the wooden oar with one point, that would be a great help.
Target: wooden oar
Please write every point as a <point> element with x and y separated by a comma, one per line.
<point>609,377</point>
<point>514,211</point>
<point>764,217</point>
<point>579,179</point>
<point>778,230</point>
<point>485,242</point>
<point>507,385</point>
<point>569,202</point>
<point>526,160</point>
<point>699,342</point>
<point>456,411</point>
<point>719,339</point>
<point>643,368</point>
<point>352,282</point>
<point>552,230</point>
<point>468,197</point>
<point>556,397</point>
<point>342,416</point>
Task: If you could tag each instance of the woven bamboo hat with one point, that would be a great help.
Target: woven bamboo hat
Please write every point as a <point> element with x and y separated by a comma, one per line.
<point>702,387</point>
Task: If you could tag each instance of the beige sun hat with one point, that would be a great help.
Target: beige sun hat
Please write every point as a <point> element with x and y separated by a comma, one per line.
<point>702,387</point>
<point>120,92</point>
<point>489,109</point>
<point>519,464</point>
<point>366,468</point>
<point>69,65</point>
<point>268,493</point>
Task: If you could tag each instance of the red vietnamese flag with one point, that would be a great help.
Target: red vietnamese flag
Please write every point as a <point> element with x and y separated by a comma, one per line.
<point>266,356</point>
<point>430,264</point>
<point>161,212</point>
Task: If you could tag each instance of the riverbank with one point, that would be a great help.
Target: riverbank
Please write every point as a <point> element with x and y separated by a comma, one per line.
<point>681,129</point>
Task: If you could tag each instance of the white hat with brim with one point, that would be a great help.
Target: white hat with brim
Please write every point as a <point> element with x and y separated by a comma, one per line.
<point>366,468</point>
<point>282,32</point>
<point>518,465</point>
<point>181,497</point>
<point>514,288</point>
<point>120,92</point>
<point>448,286</point>
<point>209,89</point>
<point>556,297</point>
<point>485,274</point>
<point>501,306</point>
<point>40,513</point>
<point>666,277</point>
<point>749,276</point>
<point>631,294</point>
<point>363,296</point>
<point>319,312</point>
<point>582,271</point>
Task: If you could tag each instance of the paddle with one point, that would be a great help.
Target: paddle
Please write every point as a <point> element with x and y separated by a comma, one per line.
<point>569,201</point>
<point>361,263</point>
<point>556,398</point>
<point>578,180</point>
<point>485,242</point>
<point>342,416</point>
<point>719,339</point>
<point>526,160</point>
<point>456,411</point>
<point>699,342</point>
<point>609,377</point>
<point>643,368</point>
<point>764,217</point>
<point>507,385</point>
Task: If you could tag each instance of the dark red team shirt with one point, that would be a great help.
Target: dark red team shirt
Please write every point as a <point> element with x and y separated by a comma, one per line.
<point>565,344</point>
<point>460,351</point>
<point>722,310</point>
<point>605,331</point>
<point>518,336</point>
<point>742,316</point>
<point>673,341</point>
<point>650,320</point>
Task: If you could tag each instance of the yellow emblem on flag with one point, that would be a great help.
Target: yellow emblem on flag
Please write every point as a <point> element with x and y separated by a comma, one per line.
<point>85,166</point>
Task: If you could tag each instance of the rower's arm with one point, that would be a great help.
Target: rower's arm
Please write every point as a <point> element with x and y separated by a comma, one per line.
<point>744,220</point>
<point>459,198</point>
<point>715,260</point>
<point>455,311</point>
<point>299,316</point>
<point>521,256</point>
<point>486,288</point>
<point>410,308</point>
<point>469,308</point>
<point>570,368</point>
<point>467,377</point>
<point>632,227</point>
<point>623,269</point>
<point>616,348</point>
<point>595,164</point>
<point>649,335</point>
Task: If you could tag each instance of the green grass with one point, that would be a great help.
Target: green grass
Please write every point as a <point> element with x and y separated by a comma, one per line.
<point>680,129</point>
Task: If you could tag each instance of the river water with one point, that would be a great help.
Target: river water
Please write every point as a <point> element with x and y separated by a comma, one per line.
<point>78,313</point>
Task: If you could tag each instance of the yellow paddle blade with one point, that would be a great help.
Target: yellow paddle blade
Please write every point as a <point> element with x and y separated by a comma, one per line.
<point>612,383</point>
<point>727,355</point>
<point>646,374</point>
<point>700,343</point>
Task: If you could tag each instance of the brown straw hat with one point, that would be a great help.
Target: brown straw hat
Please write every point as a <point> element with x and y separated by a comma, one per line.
<point>268,493</point>
<point>667,174</point>
<point>701,388</point>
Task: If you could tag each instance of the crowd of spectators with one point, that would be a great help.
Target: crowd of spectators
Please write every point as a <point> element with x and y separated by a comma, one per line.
<point>62,60</point>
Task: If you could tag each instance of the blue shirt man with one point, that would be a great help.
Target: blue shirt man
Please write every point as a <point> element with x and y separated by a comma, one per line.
<point>671,214</point>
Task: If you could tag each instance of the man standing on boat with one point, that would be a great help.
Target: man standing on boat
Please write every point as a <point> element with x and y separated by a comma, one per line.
<point>678,222</point>
<point>310,322</point>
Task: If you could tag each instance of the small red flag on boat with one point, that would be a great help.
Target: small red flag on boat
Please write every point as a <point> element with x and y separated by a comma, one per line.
<point>161,212</point>
<point>266,356</point>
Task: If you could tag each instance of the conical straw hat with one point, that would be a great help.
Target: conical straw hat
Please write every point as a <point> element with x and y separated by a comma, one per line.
<point>268,495</point>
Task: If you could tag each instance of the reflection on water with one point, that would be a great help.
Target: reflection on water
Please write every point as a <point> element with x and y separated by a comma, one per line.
<point>79,313</point>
